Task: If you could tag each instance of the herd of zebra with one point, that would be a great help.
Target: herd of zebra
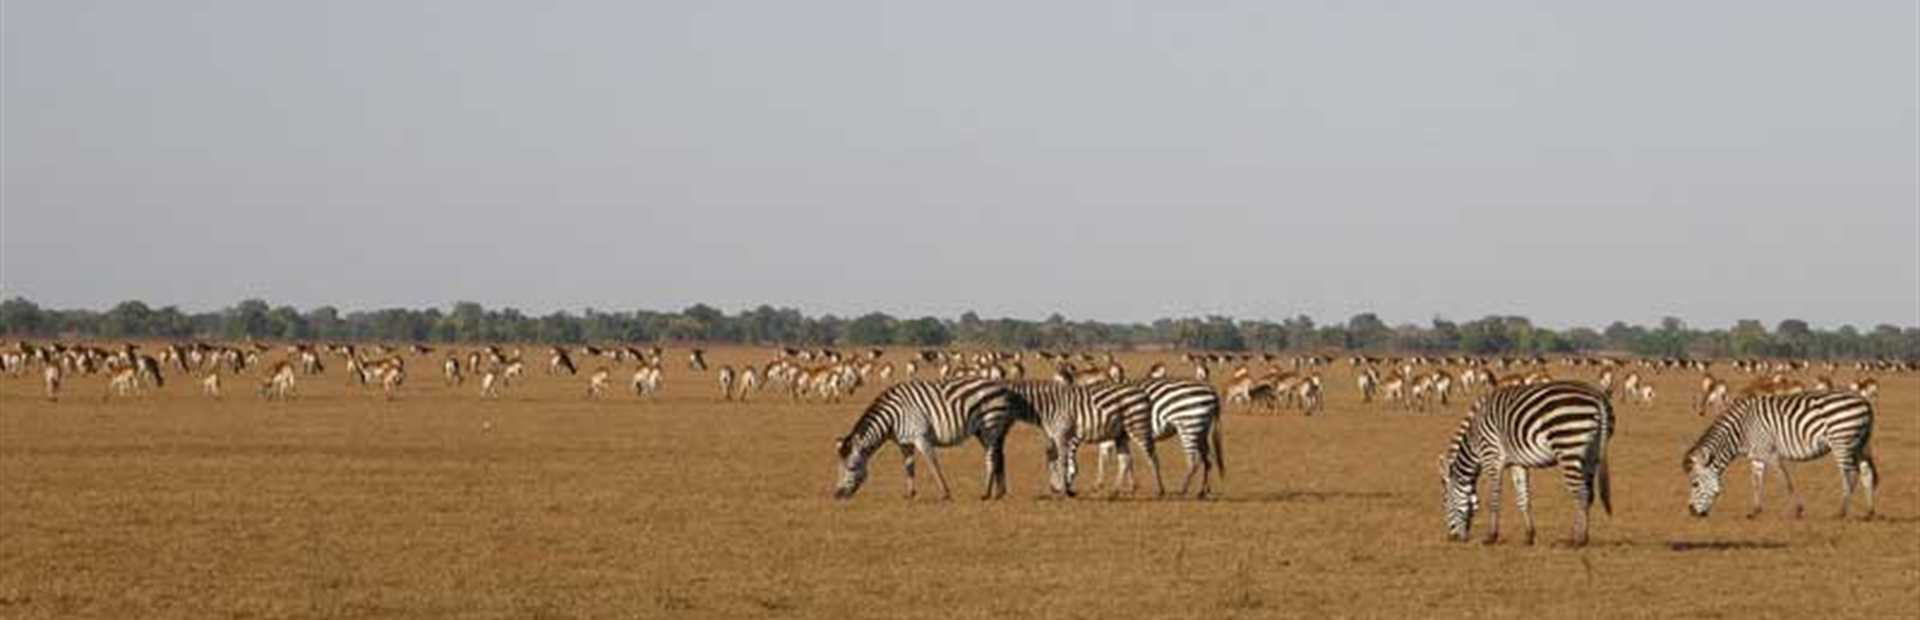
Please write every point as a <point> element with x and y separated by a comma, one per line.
<point>1521,416</point>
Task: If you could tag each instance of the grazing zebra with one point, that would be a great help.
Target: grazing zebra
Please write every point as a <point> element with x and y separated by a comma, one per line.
<point>1069,415</point>
<point>726,382</point>
<point>921,416</point>
<point>1189,408</point>
<point>1769,430</point>
<point>1561,423</point>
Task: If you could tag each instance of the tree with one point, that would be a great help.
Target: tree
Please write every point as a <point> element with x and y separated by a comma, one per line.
<point>248,321</point>
<point>1366,331</point>
<point>128,319</point>
<point>873,329</point>
<point>923,332</point>
<point>19,317</point>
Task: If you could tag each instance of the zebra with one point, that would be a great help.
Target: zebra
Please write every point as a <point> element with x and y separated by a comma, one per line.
<point>1770,430</point>
<point>1564,423</point>
<point>921,416</point>
<point>1069,415</point>
<point>1184,406</point>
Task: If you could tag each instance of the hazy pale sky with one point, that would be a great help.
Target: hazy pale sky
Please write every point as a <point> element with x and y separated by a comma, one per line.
<point>1576,163</point>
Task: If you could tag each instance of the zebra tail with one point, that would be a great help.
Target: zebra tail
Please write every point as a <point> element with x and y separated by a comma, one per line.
<point>1219,455</point>
<point>1602,478</point>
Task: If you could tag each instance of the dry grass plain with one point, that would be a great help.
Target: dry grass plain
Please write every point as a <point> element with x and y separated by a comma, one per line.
<point>340,504</point>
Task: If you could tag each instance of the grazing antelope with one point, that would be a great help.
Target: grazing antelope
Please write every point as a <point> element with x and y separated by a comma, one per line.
<point>1713,395</point>
<point>451,370</point>
<point>52,375</point>
<point>490,383</point>
<point>726,382</point>
<point>560,361</point>
<point>750,381</point>
<point>279,384</point>
<point>125,382</point>
<point>697,360</point>
<point>597,384</point>
<point>210,386</point>
<point>646,381</point>
<point>1867,388</point>
<point>1368,381</point>
<point>391,377</point>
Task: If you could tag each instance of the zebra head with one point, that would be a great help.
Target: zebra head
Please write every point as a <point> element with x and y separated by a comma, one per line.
<point>853,467</point>
<point>1460,497</point>
<point>1704,479</point>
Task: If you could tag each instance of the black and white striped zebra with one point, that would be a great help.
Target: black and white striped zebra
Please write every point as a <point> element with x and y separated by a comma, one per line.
<point>1561,423</point>
<point>1185,407</point>
<point>921,416</point>
<point>1069,415</point>
<point>1770,430</point>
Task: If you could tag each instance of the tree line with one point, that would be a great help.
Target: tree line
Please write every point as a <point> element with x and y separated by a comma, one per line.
<point>469,322</point>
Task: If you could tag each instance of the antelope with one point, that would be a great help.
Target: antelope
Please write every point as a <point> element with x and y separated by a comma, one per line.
<point>52,375</point>
<point>210,386</point>
<point>726,382</point>
<point>597,383</point>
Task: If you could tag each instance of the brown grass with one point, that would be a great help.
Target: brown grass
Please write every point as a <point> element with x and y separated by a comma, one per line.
<point>342,504</point>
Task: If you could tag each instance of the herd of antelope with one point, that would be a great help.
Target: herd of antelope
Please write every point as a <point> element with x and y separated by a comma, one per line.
<point>1260,382</point>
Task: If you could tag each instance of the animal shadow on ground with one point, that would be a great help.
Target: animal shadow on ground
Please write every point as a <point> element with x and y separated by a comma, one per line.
<point>1723,545</point>
<point>1282,497</point>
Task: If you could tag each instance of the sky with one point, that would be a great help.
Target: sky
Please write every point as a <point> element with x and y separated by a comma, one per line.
<point>1576,163</point>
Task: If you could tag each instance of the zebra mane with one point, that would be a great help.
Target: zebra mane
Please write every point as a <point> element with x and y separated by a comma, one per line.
<point>871,424</point>
<point>1719,432</point>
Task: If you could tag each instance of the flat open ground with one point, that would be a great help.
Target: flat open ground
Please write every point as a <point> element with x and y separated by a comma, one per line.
<point>342,504</point>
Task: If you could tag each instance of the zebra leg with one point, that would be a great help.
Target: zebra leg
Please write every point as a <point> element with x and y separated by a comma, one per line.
<point>1849,478</point>
<point>907,458</point>
<point>933,460</point>
<point>1786,477</point>
<point>1760,487</point>
<point>1195,459</point>
<point>1493,506</point>
<point>1072,462</point>
<point>1153,460</point>
<point>1871,478</point>
<point>1104,450</point>
<point>1522,499</point>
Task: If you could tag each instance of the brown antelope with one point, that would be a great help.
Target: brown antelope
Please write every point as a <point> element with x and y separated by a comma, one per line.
<point>598,382</point>
<point>726,382</point>
<point>210,386</point>
<point>52,375</point>
<point>279,384</point>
